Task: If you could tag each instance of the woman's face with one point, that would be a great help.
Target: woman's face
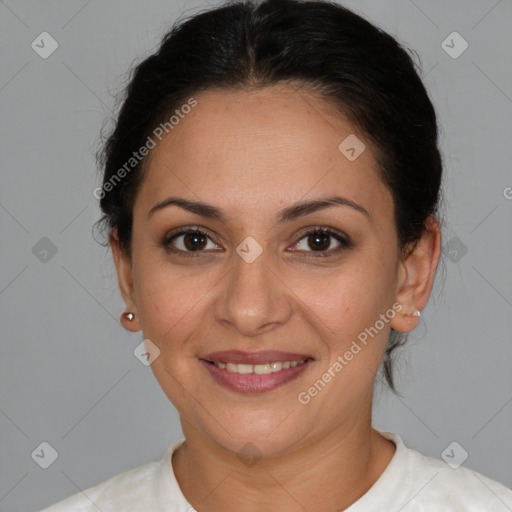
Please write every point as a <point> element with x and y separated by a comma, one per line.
<point>256,283</point>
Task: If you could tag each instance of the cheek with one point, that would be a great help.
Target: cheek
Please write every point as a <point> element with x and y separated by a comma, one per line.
<point>171,300</point>
<point>171,305</point>
<point>350,305</point>
<point>348,301</point>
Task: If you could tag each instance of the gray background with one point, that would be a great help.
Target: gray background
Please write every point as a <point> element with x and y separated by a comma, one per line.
<point>68,373</point>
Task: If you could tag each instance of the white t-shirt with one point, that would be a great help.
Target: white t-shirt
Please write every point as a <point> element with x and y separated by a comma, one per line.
<point>411,482</point>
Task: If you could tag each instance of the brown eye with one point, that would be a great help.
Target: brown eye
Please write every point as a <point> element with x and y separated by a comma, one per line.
<point>320,241</point>
<point>194,241</point>
<point>188,241</point>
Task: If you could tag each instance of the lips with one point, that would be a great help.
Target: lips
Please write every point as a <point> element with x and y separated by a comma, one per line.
<point>254,372</point>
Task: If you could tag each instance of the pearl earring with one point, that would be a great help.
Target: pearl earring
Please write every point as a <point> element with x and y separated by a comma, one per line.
<point>129,316</point>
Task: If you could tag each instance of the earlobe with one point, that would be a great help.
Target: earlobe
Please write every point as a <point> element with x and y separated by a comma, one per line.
<point>130,322</point>
<point>123,266</point>
<point>416,277</point>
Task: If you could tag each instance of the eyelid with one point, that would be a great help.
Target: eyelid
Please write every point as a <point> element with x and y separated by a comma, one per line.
<point>186,230</point>
<point>324,229</point>
<point>341,237</point>
<point>344,241</point>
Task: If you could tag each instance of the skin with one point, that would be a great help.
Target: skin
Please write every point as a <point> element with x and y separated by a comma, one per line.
<point>253,153</point>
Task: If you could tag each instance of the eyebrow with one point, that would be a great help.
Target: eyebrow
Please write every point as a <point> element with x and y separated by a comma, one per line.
<point>288,214</point>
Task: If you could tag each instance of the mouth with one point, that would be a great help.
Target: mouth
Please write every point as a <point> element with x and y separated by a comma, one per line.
<point>259,369</point>
<point>255,372</point>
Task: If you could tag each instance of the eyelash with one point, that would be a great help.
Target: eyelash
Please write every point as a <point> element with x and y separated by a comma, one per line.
<point>343,240</point>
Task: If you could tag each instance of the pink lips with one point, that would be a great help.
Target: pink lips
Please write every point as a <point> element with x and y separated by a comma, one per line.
<point>253,382</point>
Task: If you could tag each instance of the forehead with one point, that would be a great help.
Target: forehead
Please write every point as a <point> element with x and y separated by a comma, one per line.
<point>276,144</point>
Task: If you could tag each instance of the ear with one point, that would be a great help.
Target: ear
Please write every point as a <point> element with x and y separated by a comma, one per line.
<point>124,278</point>
<point>416,277</point>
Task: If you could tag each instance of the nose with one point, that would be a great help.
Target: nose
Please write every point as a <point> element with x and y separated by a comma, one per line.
<point>254,300</point>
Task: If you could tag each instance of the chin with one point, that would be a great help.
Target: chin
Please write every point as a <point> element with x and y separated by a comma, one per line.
<point>262,439</point>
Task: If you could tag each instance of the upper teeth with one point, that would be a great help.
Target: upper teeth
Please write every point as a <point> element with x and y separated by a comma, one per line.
<point>260,369</point>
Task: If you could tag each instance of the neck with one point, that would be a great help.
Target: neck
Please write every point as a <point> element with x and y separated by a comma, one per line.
<point>338,467</point>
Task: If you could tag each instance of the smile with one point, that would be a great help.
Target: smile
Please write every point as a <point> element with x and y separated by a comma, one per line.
<point>259,369</point>
<point>256,372</point>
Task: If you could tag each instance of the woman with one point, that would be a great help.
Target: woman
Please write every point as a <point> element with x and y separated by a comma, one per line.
<point>271,193</point>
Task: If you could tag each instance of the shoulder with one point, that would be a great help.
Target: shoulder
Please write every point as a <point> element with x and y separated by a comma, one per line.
<point>119,492</point>
<point>452,487</point>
